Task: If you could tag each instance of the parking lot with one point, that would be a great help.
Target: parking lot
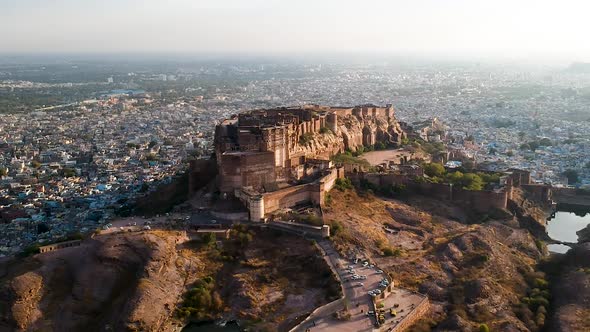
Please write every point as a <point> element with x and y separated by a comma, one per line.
<point>356,297</point>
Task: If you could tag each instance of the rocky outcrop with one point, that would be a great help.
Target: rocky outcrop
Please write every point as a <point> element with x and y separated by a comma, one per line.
<point>137,281</point>
<point>584,235</point>
<point>25,292</point>
<point>360,131</point>
<point>571,291</point>
<point>129,281</point>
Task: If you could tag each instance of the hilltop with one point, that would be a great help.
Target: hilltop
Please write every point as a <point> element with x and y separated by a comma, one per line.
<point>474,273</point>
<point>136,281</point>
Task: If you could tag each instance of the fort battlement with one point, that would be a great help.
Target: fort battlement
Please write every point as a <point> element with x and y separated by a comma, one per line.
<point>481,201</point>
<point>264,147</point>
<point>280,157</point>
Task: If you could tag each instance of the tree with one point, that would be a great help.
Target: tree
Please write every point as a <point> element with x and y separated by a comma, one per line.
<point>545,142</point>
<point>534,145</point>
<point>3,172</point>
<point>472,182</point>
<point>434,169</point>
<point>484,328</point>
<point>455,177</point>
<point>35,164</point>
<point>572,175</point>
<point>69,172</point>
<point>208,238</point>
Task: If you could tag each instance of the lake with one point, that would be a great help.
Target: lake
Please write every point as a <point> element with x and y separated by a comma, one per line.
<point>563,227</point>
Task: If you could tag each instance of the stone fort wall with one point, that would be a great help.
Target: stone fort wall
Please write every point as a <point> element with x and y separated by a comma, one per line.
<point>260,205</point>
<point>480,201</point>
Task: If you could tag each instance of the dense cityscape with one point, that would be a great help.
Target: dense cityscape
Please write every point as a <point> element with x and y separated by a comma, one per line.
<point>69,166</point>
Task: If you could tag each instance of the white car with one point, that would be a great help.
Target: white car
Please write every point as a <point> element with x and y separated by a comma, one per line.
<point>360,284</point>
<point>377,291</point>
<point>379,271</point>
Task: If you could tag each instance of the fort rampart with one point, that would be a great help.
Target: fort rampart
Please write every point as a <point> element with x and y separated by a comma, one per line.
<point>481,201</point>
<point>263,204</point>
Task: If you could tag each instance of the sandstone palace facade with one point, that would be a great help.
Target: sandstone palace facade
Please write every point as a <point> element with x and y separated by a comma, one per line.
<point>277,158</point>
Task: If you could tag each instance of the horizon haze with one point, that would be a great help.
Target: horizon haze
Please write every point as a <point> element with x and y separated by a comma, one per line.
<point>426,28</point>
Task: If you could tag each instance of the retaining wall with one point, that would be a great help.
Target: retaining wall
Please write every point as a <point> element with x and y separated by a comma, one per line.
<point>60,245</point>
<point>413,316</point>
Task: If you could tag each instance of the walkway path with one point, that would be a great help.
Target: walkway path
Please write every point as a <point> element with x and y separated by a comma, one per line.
<point>355,297</point>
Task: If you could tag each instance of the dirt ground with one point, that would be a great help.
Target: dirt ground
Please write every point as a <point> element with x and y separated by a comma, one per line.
<point>379,157</point>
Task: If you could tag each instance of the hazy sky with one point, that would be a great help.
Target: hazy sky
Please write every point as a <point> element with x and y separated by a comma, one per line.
<point>519,28</point>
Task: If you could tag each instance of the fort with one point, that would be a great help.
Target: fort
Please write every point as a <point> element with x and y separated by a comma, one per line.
<point>277,158</point>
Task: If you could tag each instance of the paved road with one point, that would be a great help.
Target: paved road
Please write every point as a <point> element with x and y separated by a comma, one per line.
<point>355,297</point>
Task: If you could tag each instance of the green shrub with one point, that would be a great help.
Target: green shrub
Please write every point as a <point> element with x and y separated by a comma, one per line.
<point>336,227</point>
<point>342,184</point>
<point>434,169</point>
<point>484,328</point>
<point>391,252</point>
<point>305,138</point>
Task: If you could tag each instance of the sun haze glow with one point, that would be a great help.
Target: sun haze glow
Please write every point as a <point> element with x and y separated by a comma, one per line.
<point>523,28</point>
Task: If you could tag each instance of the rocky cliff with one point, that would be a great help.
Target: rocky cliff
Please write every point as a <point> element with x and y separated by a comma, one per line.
<point>139,282</point>
<point>126,282</point>
<point>358,131</point>
<point>571,290</point>
<point>352,132</point>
